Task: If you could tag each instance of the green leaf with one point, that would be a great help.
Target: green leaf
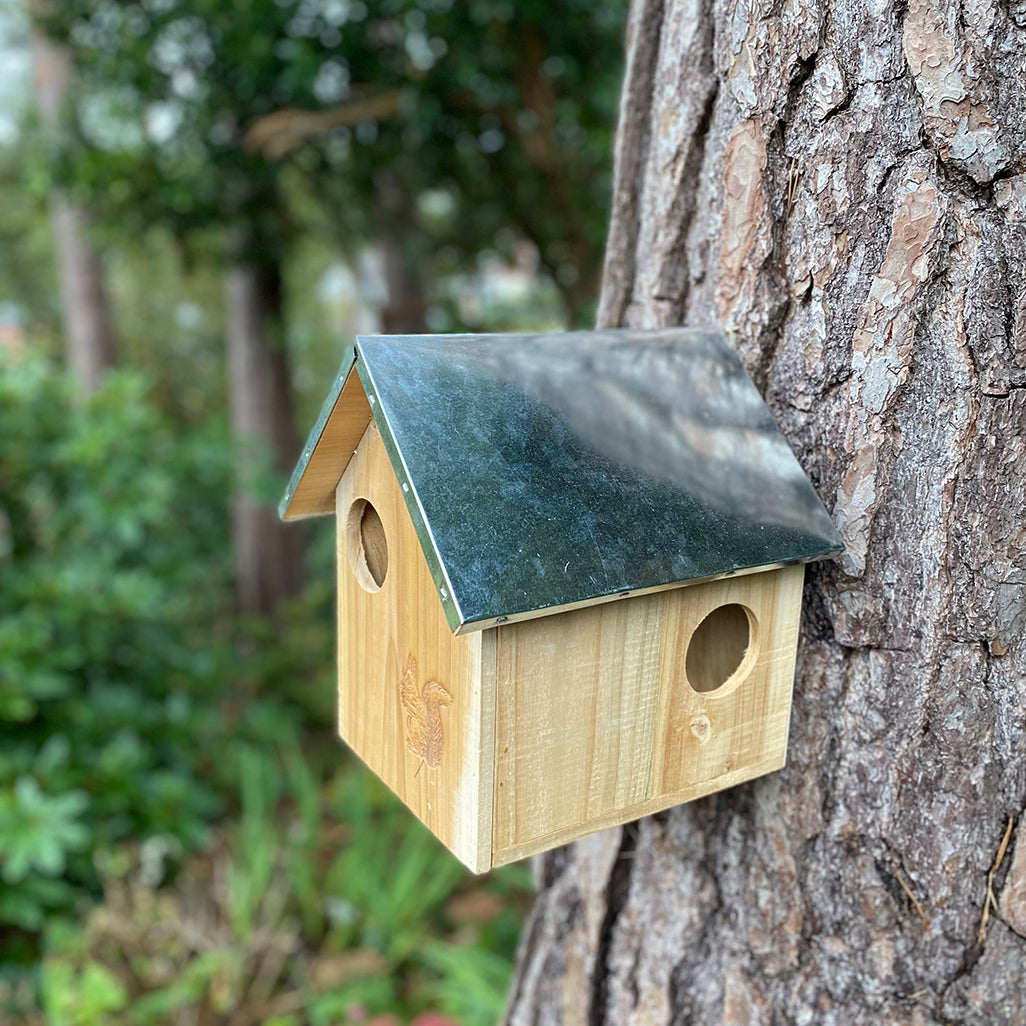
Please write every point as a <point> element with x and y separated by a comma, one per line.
<point>37,831</point>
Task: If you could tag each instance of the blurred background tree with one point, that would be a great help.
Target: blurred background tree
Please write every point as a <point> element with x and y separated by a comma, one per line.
<point>248,186</point>
<point>89,344</point>
<point>428,129</point>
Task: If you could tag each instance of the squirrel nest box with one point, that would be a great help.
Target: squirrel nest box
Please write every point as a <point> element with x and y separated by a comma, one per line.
<point>569,576</point>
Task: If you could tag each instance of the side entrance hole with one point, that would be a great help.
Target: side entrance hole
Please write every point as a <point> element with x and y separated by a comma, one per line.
<point>722,649</point>
<point>366,545</point>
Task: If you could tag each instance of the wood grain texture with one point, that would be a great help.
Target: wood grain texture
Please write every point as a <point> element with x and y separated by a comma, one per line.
<point>843,186</point>
<point>596,722</point>
<point>412,703</point>
<point>315,492</point>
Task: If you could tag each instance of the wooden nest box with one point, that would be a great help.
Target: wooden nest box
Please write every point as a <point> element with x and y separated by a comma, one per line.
<point>569,576</point>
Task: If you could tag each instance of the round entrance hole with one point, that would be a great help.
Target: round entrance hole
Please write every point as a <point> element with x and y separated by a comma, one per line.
<point>722,649</point>
<point>365,540</point>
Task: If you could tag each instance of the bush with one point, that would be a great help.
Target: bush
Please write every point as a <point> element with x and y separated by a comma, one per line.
<point>181,834</point>
<point>298,916</point>
<point>113,569</point>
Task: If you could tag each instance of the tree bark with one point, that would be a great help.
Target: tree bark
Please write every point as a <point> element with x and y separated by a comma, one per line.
<point>842,186</point>
<point>89,343</point>
<point>268,554</point>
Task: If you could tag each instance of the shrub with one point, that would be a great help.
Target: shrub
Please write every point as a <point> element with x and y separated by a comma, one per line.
<point>113,569</point>
<point>324,903</point>
<point>135,713</point>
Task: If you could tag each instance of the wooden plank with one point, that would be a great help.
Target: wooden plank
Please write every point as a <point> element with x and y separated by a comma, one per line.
<point>413,703</point>
<point>596,722</point>
<point>544,842</point>
<point>314,492</point>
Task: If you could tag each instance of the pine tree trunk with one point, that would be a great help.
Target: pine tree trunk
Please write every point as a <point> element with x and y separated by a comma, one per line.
<point>842,185</point>
<point>268,554</point>
<point>89,344</point>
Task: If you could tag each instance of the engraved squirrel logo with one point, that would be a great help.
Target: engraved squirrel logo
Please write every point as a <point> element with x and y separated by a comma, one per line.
<point>423,714</point>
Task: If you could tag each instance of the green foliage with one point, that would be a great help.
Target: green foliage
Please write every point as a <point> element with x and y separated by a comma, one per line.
<point>112,570</point>
<point>36,830</point>
<point>130,718</point>
<point>450,128</point>
<point>84,998</point>
<point>472,980</point>
<point>325,904</point>
<point>26,257</point>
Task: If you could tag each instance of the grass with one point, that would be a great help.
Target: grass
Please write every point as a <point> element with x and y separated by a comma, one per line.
<point>324,902</point>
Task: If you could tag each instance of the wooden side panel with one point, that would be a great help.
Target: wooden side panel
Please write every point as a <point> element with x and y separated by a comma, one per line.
<point>597,724</point>
<point>412,702</point>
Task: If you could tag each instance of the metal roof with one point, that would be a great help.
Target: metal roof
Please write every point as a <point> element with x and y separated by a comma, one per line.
<point>548,471</point>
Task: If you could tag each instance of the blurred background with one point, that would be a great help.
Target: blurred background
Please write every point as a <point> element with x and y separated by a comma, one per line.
<point>201,202</point>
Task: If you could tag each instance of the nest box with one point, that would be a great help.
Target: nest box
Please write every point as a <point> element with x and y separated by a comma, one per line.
<point>569,576</point>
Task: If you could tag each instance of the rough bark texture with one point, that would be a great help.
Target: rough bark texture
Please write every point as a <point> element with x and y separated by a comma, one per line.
<point>268,554</point>
<point>88,334</point>
<point>844,187</point>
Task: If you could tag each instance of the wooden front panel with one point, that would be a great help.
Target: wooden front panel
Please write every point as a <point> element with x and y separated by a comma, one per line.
<point>411,701</point>
<point>597,723</point>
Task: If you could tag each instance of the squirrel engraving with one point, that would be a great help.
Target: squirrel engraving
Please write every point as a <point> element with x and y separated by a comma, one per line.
<point>423,714</point>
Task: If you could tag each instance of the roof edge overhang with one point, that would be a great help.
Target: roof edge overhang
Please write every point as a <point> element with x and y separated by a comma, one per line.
<point>329,448</point>
<point>348,410</point>
<point>469,627</point>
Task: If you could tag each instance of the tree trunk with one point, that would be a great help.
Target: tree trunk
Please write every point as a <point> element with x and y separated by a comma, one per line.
<point>405,306</point>
<point>842,186</point>
<point>268,554</point>
<point>88,335</point>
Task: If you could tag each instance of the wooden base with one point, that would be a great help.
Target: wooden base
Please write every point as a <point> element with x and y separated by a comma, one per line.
<point>515,852</point>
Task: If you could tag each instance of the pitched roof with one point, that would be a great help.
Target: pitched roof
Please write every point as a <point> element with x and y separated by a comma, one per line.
<point>548,471</point>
